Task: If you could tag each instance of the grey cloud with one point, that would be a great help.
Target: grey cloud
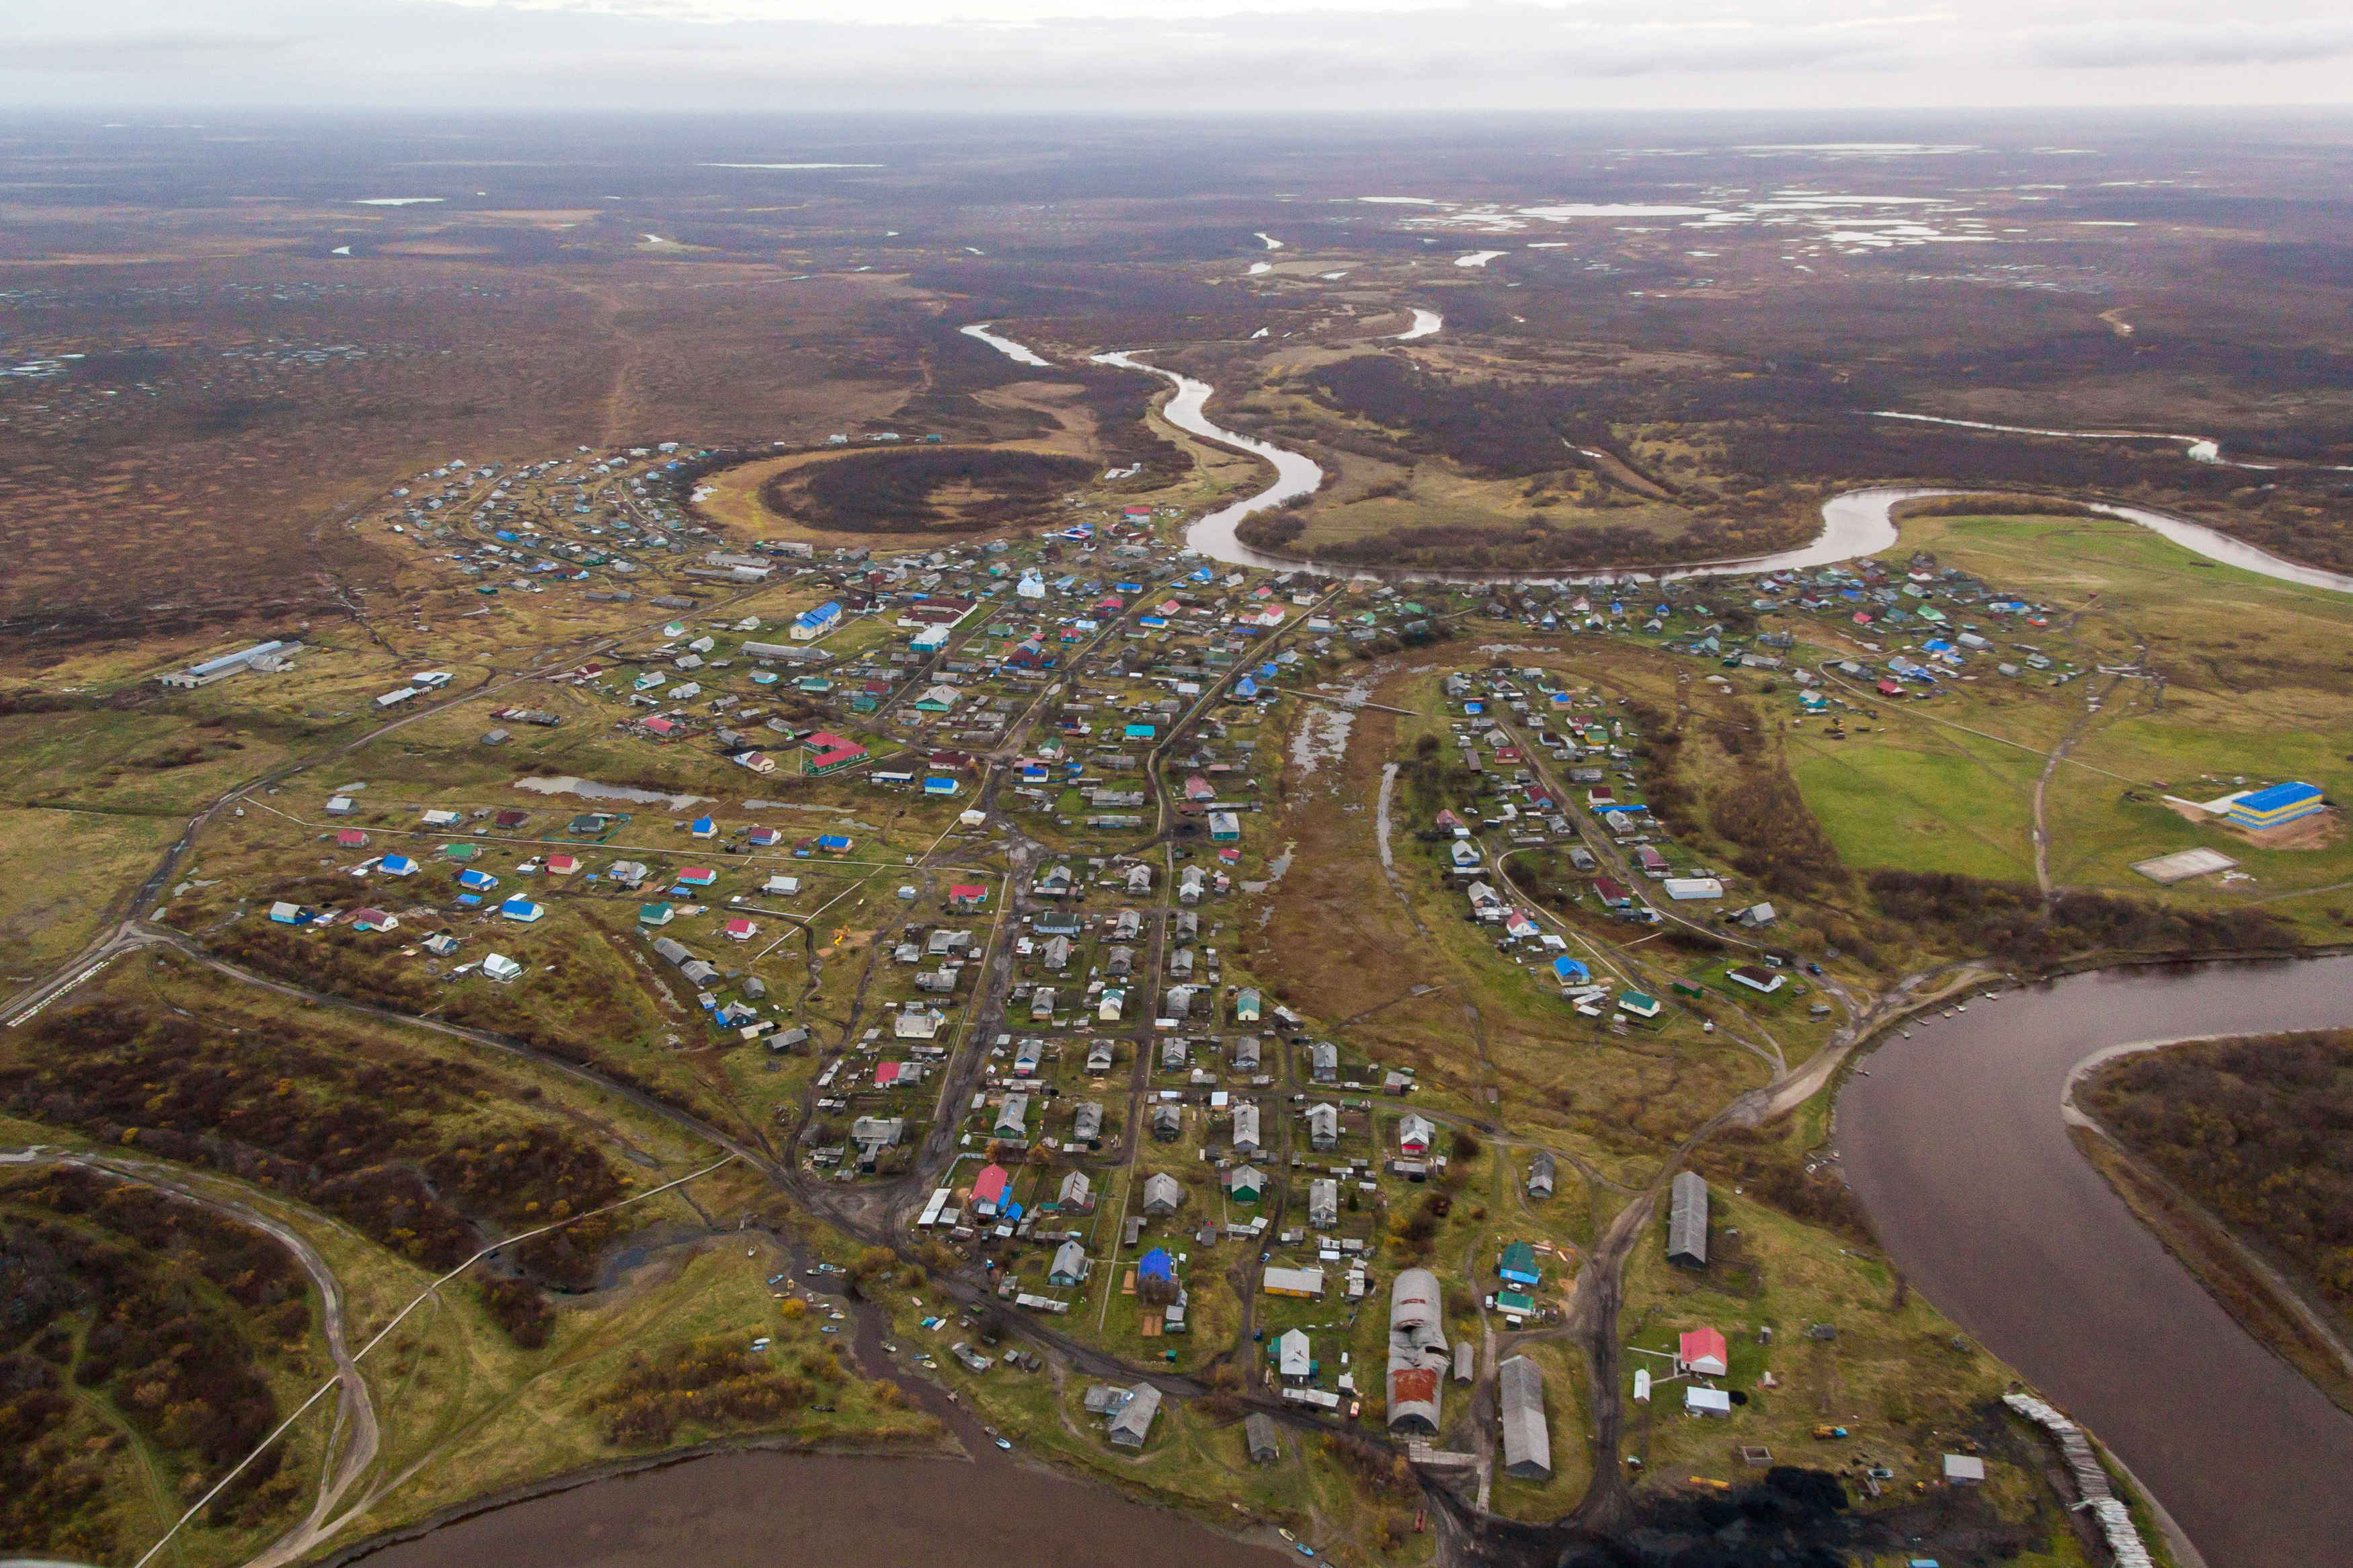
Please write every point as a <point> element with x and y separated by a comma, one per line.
<point>140,46</point>
<point>1509,55</point>
<point>2111,46</point>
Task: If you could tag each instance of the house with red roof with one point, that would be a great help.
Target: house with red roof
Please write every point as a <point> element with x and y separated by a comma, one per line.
<point>989,1186</point>
<point>815,760</point>
<point>967,895</point>
<point>561,865</point>
<point>351,838</point>
<point>1701,1351</point>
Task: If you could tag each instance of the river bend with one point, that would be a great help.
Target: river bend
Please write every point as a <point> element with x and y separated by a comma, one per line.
<point>1954,1143</point>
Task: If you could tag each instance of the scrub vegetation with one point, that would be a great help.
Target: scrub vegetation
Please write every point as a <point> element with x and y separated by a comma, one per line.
<point>2259,1131</point>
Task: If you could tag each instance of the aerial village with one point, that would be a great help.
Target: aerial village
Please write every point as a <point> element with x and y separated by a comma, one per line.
<point>783,830</point>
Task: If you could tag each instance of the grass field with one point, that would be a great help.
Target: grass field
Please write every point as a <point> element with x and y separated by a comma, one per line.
<point>63,870</point>
<point>2256,689</point>
<point>1885,802</point>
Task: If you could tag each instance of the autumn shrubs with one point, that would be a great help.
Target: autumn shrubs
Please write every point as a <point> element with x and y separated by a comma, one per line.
<point>174,1309</point>
<point>2008,919</point>
<point>519,1308</point>
<point>2259,1130</point>
<point>714,1382</point>
<point>313,1115</point>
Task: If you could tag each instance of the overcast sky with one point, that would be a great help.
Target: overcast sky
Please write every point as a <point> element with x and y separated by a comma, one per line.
<point>1159,55</point>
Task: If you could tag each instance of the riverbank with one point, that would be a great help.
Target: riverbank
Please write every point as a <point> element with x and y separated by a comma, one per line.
<point>1953,1142</point>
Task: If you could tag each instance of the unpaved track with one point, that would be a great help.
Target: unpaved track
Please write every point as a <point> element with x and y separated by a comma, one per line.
<point>355,1418</point>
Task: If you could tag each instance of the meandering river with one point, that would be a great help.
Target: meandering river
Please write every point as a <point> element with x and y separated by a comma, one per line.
<point>1955,1143</point>
<point>1855,524</point>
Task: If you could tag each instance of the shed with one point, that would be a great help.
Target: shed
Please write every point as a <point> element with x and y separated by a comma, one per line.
<point>1964,1470</point>
<point>1687,1221</point>
<point>1306,1283</point>
<point>1258,1433</point>
<point>1527,1443</point>
<point>1698,1400</point>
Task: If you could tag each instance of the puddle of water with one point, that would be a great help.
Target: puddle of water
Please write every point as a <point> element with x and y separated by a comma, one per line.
<point>591,790</point>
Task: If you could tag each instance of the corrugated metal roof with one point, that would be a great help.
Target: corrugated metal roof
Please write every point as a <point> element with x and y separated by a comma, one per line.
<point>1527,1442</point>
<point>1687,1220</point>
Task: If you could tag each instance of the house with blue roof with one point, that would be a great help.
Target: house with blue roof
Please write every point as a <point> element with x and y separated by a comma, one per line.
<point>833,843</point>
<point>521,910</point>
<point>477,881</point>
<point>703,827</point>
<point>811,625</point>
<point>1571,971</point>
<point>397,866</point>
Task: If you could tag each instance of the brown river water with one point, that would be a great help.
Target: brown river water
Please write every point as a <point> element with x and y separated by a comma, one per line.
<point>1956,1145</point>
<point>784,1511</point>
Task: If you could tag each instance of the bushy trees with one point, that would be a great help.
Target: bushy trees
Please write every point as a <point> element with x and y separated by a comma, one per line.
<point>712,1382</point>
<point>315,1115</point>
<point>173,1307</point>
<point>2007,920</point>
<point>2259,1130</point>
